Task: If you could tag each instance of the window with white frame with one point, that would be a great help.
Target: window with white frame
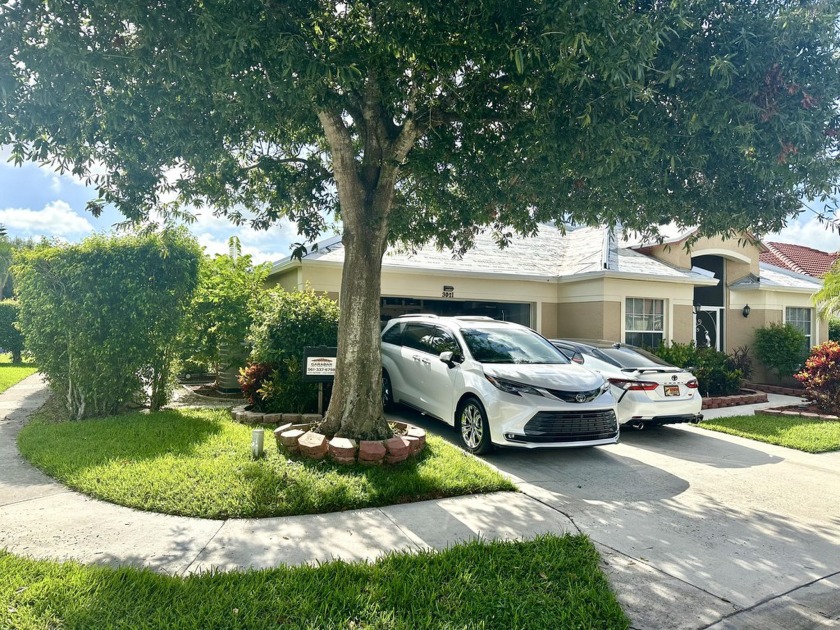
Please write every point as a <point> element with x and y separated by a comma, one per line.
<point>800,318</point>
<point>644,322</point>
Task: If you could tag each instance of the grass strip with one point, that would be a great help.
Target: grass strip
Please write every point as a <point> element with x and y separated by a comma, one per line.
<point>13,373</point>
<point>549,582</point>
<point>197,462</point>
<point>804,434</point>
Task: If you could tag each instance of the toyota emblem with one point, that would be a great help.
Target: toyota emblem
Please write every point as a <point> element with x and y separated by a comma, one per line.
<point>674,377</point>
<point>580,397</point>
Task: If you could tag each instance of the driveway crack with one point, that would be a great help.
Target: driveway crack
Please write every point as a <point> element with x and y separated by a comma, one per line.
<point>771,598</point>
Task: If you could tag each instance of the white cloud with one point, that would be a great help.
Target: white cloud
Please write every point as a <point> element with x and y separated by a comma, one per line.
<point>55,219</point>
<point>810,233</point>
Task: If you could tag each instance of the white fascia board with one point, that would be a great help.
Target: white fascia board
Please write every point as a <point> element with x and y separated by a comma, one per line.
<point>626,275</point>
<point>458,273</point>
<point>776,288</point>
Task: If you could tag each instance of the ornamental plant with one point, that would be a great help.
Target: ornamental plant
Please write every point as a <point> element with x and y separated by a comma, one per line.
<point>101,318</point>
<point>821,377</point>
<point>284,324</point>
<point>781,348</point>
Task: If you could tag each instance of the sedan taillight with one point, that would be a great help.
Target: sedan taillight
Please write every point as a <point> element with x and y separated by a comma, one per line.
<point>646,386</point>
<point>693,384</point>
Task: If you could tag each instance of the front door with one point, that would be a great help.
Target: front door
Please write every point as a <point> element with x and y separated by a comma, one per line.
<point>707,333</point>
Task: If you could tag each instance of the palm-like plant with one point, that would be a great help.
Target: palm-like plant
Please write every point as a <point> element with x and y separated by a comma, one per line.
<point>827,299</point>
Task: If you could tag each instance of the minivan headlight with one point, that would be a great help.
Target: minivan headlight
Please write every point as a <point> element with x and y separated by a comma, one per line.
<point>512,387</point>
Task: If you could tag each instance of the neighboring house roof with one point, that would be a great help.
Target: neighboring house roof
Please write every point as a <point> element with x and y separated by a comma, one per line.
<point>775,278</point>
<point>799,259</point>
<point>576,255</point>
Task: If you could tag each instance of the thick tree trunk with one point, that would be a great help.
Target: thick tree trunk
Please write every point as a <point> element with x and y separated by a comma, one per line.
<point>356,404</point>
<point>366,190</point>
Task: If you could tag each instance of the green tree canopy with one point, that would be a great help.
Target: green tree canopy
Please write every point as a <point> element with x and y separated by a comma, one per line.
<point>418,120</point>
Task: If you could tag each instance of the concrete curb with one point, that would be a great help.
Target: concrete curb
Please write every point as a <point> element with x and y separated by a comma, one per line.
<point>73,526</point>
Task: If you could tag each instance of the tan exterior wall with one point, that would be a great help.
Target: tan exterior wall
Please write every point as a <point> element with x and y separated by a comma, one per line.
<point>744,256</point>
<point>683,326</point>
<point>582,320</point>
<point>549,324</point>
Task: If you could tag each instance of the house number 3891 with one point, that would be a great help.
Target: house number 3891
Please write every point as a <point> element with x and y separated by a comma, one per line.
<point>448,291</point>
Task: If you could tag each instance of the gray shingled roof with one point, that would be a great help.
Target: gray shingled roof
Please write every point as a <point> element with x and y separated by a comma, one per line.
<point>550,254</point>
<point>773,277</point>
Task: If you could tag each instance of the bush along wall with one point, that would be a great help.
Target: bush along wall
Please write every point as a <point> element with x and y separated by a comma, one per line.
<point>11,339</point>
<point>716,372</point>
<point>101,318</point>
<point>284,324</point>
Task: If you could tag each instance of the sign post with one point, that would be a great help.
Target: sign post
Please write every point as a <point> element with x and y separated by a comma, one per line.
<point>319,367</point>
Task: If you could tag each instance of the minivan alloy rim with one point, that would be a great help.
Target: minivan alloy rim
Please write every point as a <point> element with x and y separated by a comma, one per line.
<point>472,428</point>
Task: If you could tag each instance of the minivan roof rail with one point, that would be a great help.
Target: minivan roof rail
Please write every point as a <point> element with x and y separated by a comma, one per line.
<point>406,315</point>
<point>475,318</point>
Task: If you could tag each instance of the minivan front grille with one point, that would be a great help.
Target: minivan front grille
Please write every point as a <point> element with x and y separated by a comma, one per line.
<point>572,397</point>
<point>571,426</point>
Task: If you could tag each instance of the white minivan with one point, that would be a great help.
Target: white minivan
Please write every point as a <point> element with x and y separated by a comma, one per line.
<point>497,383</point>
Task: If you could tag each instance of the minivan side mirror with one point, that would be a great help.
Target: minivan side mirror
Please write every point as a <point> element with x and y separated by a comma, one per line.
<point>450,358</point>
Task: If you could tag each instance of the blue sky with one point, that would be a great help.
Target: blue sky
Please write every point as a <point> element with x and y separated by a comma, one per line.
<point>36,201</point>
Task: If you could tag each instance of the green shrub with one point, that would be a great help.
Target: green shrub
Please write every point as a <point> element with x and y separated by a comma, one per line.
<point>834,329</point>
<point>102,317</point>
<point>781,348</point>
<point>715,371</point>
<point>11,339</point>
<point>285,323</point>
<point>679,354</point>
<point>821,377</point>
<point>222,308</point>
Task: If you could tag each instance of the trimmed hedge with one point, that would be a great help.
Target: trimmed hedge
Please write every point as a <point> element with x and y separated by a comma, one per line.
<point>102,317</point>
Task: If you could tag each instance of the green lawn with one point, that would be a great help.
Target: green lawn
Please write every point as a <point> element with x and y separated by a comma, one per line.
<point>811,436</point>
<point>197,462</point>
<point>549,582</point>
<point>13,373</point>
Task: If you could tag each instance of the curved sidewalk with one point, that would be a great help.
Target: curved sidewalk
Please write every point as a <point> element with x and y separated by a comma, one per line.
<point>41,518</point>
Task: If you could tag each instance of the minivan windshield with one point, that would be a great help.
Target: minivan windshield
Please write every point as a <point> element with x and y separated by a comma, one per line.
<point>506,344</point>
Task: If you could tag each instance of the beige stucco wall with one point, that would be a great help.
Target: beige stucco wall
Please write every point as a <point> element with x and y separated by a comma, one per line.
<point>683,325</point>
<point>743,255</point>
<point>549,320</point>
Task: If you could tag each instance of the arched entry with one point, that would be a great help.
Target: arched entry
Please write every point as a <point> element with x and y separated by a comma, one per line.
<point>710,302</point>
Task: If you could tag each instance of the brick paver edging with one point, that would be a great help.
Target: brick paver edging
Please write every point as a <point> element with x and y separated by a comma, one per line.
<point>793,412</point>
<point>296,436</point>
<point>746,397</point>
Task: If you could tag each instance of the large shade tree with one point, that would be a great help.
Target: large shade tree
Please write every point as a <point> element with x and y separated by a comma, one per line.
<point>418,119</point>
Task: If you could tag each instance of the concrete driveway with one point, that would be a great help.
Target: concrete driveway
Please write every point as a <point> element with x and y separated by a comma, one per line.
<point>698,529</point>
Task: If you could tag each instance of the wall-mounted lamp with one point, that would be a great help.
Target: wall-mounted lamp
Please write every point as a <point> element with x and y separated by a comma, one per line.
<point>746,311</point>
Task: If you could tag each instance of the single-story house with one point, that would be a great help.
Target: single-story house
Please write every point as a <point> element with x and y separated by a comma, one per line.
<point>590,283</point>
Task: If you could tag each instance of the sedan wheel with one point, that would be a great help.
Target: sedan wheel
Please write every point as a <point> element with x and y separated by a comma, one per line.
<point>473,429</point>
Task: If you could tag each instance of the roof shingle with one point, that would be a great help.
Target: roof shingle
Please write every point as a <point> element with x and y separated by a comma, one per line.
<point>799,259</point>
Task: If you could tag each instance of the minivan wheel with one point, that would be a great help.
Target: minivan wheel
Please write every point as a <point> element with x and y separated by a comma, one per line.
<point>387,392</point>
<point>472,427</point>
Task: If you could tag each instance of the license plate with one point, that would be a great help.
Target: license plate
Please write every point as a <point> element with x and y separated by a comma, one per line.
<point>672,390</point>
